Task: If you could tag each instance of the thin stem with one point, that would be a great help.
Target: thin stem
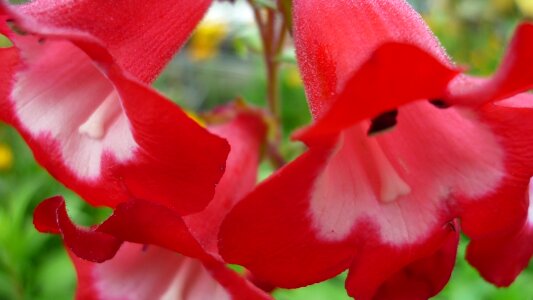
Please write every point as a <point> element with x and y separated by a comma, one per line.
<point>272,38</point>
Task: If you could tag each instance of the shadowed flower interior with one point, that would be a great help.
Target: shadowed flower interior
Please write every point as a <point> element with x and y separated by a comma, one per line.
<point>400,180</point>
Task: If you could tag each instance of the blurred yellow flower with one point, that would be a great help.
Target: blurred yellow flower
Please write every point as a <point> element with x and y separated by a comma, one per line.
<point>206,40</point>
<point>6,157</point>
<point>526,6</point>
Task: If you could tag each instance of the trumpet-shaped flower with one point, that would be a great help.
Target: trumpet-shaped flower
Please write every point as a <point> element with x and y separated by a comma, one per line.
<point>402,146</point>
<point>75,85</point>
<point>147,267</point>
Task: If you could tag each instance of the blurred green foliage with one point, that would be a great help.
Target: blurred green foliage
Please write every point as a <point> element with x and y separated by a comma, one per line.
<point>35,266</point>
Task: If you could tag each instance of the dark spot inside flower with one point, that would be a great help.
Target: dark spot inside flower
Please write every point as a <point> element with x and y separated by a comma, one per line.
<point>383,122</point>
<point>450,225</point>
<point>41,40</point>
<point>439,103</point>
<point>145,247</point>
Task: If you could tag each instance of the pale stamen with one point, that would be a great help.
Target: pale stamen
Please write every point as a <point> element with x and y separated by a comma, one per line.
<point>95,126</point>
<point>392,185</point>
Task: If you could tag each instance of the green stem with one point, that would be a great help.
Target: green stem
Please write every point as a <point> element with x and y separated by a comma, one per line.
<point>273,40</point>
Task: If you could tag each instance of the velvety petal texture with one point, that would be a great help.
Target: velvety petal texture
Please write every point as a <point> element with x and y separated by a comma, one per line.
<point>141,36</point>
<point>73,91</point>
<point>155,269</point>
<point>390,167</point>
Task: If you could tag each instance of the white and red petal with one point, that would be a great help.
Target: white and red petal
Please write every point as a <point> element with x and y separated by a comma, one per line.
<point>504,210</point>
<point>145,272</point>
<point>103,133</point>
<point>141,36</point>
<point>501,226</point>
<point>365,192</point>
<point>270,231</point>
<point>403,182</point>
<point>140,272</point>
<point>107,271</point>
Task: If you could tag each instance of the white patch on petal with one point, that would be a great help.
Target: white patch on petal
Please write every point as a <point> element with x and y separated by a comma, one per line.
<point>155,273</point>
<point>193,282</point>
<point>96,125</point>
<point>61,95</point>
<point>402,181</point>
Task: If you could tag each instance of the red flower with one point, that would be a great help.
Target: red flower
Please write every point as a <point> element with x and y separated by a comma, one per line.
<point>390,166</point>
<point>76,86</point>
<point>131,271</point>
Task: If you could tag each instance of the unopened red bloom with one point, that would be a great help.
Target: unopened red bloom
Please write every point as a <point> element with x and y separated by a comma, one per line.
<point>401,147</point>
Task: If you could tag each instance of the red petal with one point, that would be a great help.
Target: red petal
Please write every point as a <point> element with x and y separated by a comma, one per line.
<point>415,272</point>
<point>501,259</point>
<point>134,221</point>
<point>87,243</point>
<point>141,36</point>
<point>270,233</point>
<point>237,286</point>
<point>396,74</point>
<point>146,223</point>
<point>9,60</point>
<point>45,215</point>
<point>334,39</point>
<point>515,74</point>
<point>245,134</point>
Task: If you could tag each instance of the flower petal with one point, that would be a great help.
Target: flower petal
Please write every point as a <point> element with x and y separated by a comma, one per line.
<point>415,272</point>
<point>245,133</point>
<point>94,245</point>
<point>147,272</point>
<point>393,190</point>
<point>271,234</point>
<point>500,260</point>
<point>134,221</point>
<point>334,39</point>
<point>504,210</point>
<point>142,36</point>
<point>515,74</point>
<point>394,75</point>
<point>104,134</point>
